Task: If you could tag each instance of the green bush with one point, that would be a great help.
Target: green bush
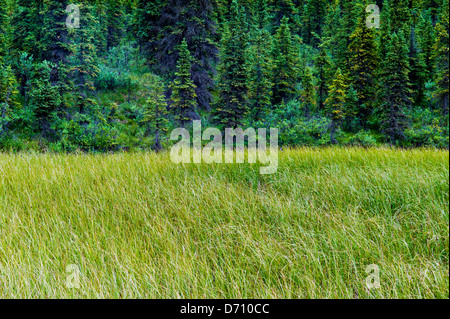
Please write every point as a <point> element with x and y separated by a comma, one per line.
<point>294,128</point>
<point>426,129</point>
<point>111,79</point>
<point>362,138</point>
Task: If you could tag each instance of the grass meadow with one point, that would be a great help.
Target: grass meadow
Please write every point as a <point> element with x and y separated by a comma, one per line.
<point>138,226</point>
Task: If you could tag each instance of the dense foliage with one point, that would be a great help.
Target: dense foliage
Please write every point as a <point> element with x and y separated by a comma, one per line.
<point>134,70</point>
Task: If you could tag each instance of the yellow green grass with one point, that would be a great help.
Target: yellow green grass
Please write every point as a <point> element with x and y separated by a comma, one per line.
<point>139,226</point>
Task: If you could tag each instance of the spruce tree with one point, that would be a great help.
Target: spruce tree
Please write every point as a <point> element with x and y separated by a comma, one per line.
<point>46,99</point>
<point>144,25</point>
<point>363,67</point>
<point>351,110</point>
<point>285,73</point>
<point>349,12</point>
<point>395,89</point>
<point>40,30</point>
<point>260,67</point>
<point>313,20</point>
<point>329,40</point>
<point>395,17</point>
<point>8,96</point>
<point>441,57</point>
<point>418,71</point>
<point>426,39</point>
<point>155,112</point>
<point>323,67</point>
<point>54,39</point>
<point>115,23</point>
<point>28,22</point>
<point>307,92</point>
<point>3,24</point>
<point>292,9</point>
<point>183,89</point>
<point>335,104</point>
<point>100,12</point>
<point>399,16</point>
<point>189,20</point>
<point>84,61</point>
<point>231,106</point>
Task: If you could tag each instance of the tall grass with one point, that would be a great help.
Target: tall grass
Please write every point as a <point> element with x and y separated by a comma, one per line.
<point>139,226</point>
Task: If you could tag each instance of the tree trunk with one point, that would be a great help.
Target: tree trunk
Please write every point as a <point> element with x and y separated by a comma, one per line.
<point>333,132</point>
<point>157,146</point>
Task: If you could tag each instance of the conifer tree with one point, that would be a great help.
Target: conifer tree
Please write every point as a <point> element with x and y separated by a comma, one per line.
<point>155,112</point>
<point>426,39</point>
<point>40,30</point>
<point>8,95</point>
<point>433,6</point>
<point>101,15</point>
<point>262,14</point>
<point>46,99</point>
<point>395,17</point>
<point>329,40</point>
<point>441,57</point>
<point>144,25</point>
<point>335,104</point>
<point>115,23</point>
<point>292,9</point>
<point>192,21</point>
<point>260,75</point>
<point>395,89</point>
<point>27,22</point>
<point>307,92</point>
<point>418,71</point>
<point>84,64</point>
<point>3,22</point>
<point>231,106</point>
<point>323,69</point>
<point>399,16</point>
<point>351,109</point>
<point>313,20</point>
<point>54,39</point>
<point>349,12</point>
<point>363,67</point>
<point>285,74</point>
<point>260,66</point>
<point>183,88</point>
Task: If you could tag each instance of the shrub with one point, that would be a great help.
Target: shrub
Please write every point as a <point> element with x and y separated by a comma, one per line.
<point>362,138</point>
<point>111,79</point>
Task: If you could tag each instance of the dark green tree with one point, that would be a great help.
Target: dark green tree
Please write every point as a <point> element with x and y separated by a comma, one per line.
<point>3,25</point>
<point>189,20</point>
<point>313,20</point>
<point>144,25</point>
<point>8,96</point>
<point>441,57</point>
<point>285,73</point>
<point>349,11</point>
<point>260,67</point>
<point>308,92</point>
<point>395,91</point>
<point>46,99</point>
<point>115,23</point>
<point>155,112</point>
<point>323,68</point>
<point>232,106</point>
<point>183,98</point>
<point>84,61</point>
<point>335,104</point>
<point>363,67</point>
<point>426,39</point>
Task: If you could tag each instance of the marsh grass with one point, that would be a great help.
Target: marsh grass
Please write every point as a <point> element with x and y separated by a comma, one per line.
<point>139,226</point>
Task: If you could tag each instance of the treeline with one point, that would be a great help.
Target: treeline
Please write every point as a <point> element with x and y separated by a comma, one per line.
<point>134,70</point>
